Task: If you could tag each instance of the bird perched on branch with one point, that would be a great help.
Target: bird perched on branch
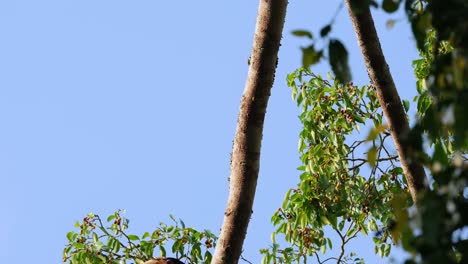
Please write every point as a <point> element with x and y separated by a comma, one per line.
<point>164,261</point>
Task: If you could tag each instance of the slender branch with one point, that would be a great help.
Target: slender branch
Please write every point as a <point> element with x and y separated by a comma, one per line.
<point>378,160</point>
<point>321,262</point>
<point>318,258</point>
<point>244,259</point>
<point>338,9</point>
<point>342,247</point>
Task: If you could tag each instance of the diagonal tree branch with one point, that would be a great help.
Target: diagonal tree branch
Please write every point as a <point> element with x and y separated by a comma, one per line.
<point>387,93</point>
<point>245,160</point>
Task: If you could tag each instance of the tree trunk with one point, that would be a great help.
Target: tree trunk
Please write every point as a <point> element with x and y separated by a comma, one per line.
<point>387,93</point>
<point>245,158</point>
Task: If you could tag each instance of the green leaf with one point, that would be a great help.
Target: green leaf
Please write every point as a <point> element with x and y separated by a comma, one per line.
<point>371,225</point>
<point>424,102</point>
<point>338,56</point>
<point>325,30</point>
<point>390,6</point>
<point>406,105</point>
<point>294,92</point>
<point>110,218</point>
<point>323,248</point>
<point>133,237</point>
<point>78,245</point>
<point>359,118</point>
<point>162,251</point>
<point>286,199</point>
<point>363,229</point>
<point>440,153</point>
<point>387,250</point>
<point>177,245</point>
<point>310,56</point>
<point>419,25</point>
<point>70,236</point>
<point>302,33</point>
<point>398,170</point>
<point>341,225</point>
<point>208,257</point>
<point>173,218</point>
<point>382,250</point>
<point>333,221</point>
<point>116,246</point>
<point>324,220</point>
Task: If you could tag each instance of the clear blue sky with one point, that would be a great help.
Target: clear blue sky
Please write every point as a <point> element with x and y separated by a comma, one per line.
<point>133,104</point>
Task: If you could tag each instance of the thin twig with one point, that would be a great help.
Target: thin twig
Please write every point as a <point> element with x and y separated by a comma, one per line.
<point>244,259</point>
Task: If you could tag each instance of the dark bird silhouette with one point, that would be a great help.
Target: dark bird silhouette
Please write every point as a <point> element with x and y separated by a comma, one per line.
<point>164,261</point>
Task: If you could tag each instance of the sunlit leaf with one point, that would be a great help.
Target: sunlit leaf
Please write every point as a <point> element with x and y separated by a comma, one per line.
<point>302,33</point>
<point>111,217</point>
<point>310,56</point>
<point>162,251</point>
<point>133,237</point>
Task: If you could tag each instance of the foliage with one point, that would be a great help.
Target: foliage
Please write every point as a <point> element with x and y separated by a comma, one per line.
<point>446,72</point>
<point>441,31</point>
<point>433,232</point>
<point>337,53</point>
<point>334,190</point>
<point>96,243</point>
<point>443,210</point>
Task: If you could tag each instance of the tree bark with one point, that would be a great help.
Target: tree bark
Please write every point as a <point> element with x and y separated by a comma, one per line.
<point>245,159</point>
<point>387,93</point>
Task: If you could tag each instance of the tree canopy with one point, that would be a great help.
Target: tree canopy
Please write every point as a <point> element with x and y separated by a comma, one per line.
<point>346,129</point>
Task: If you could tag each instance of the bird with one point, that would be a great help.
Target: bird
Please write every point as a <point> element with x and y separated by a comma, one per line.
<point>163,261</point>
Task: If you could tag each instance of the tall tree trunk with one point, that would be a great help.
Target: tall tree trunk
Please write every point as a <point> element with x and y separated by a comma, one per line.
<point>387,93</point>
<point>245,160</point>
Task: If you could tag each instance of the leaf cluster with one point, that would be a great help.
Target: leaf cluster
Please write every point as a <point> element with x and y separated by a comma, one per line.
<point>99,243</point>
<point>333,189</point>
<point>319,47</point>
<point>442,209</point>
<point>439,140</point>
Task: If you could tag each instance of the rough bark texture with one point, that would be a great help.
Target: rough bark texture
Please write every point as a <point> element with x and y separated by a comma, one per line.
<point>247,142</point>
<point>387,93</point>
